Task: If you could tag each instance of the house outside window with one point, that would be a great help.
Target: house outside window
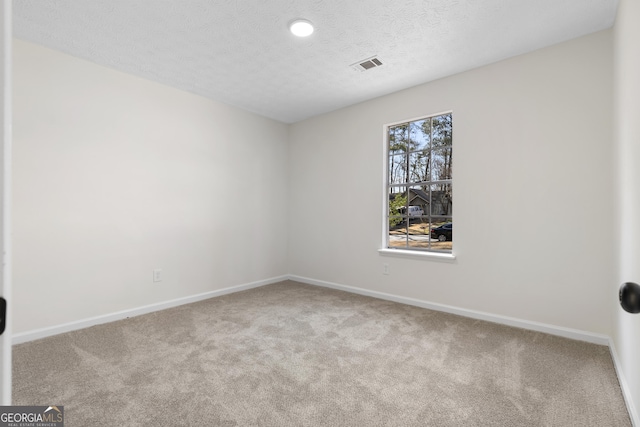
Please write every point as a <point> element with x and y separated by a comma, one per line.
<point>420,184</point>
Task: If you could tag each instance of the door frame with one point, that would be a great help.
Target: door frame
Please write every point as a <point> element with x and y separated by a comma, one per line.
<point>6,41</point>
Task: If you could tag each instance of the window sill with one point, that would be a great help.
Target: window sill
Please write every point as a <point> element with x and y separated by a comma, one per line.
<point>399,253</point>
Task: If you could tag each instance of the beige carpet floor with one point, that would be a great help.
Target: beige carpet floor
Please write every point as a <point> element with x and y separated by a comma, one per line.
<point>290,354</point>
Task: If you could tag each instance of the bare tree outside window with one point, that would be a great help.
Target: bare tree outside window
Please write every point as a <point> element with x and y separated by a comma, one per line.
<point>419,184</point>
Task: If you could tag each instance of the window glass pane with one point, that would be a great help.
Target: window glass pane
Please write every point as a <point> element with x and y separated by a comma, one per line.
<point>398,169</point>
<point>398,137</point>
<point>419,135</point>
<point>441,234</point>
<point>397,205</point>
<point>441,130</point>
<point>441,200</point>
<point>418,232</point>
<point>441,164</point>
<point>419,166</point>
<point>419,200</point>
<point>397,217</point>
<point>398,236</point>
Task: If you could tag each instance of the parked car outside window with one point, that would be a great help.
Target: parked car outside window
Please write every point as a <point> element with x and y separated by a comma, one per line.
<point>443,233</point>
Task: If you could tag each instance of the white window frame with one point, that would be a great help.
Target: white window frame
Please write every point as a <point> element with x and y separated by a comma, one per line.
<point>385,249</point>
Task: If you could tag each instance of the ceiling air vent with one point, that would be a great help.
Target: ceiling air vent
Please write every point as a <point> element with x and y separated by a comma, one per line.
<point>367,64</point>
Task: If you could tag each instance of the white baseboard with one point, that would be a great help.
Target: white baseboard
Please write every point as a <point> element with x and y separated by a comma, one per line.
<point>495,318</point>
<point>626,393</point>
<point>85,323</point>
<point>509,321</point>
<point>505,320</point>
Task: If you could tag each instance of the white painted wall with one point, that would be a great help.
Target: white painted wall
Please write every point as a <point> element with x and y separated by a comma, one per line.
<point>626,326</point>
<point>115,176</point>
<point>533,177</point>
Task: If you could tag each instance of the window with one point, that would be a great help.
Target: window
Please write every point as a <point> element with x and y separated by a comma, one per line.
<point>419,185</point>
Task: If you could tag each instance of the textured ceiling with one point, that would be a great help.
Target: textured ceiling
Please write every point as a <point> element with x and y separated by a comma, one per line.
<point>241,53</point>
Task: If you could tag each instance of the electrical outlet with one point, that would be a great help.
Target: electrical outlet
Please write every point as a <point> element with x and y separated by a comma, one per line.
<point>385,269</point>
<point>157,275</point>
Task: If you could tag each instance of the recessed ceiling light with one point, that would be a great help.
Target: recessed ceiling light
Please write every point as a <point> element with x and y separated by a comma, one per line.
<point>301,28</point>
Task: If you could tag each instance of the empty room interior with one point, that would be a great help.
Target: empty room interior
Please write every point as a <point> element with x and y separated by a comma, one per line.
<point>207,225</point>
